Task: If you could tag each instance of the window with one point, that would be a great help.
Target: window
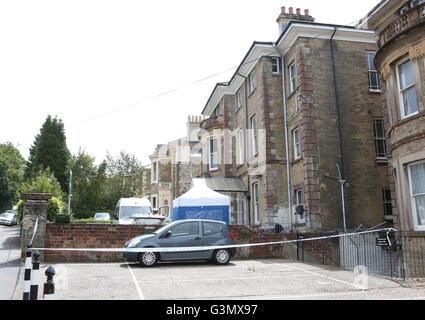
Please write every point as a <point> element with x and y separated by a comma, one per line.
<point>251,82</point>
<point>154,202</point>
<point>407,90</point>
<point>256,204</point>
<point>239,99</point>
<point>213,154</point>
<point>380,144</point>
<point>296,140</point>
<point>292,77</point>
<point>210,228</point>
<point>275,65</point>
<point>241,207</point>
<point>154,172</point>
<point>388,205</point>
<point>374,84</point>
<point>240,148</point>
<point>299,198</point>
<point>254,134</point>
<point>185,229</point>
<point>417,187</point>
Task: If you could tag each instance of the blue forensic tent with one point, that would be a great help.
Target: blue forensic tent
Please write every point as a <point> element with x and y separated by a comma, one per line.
<point>201,202</point>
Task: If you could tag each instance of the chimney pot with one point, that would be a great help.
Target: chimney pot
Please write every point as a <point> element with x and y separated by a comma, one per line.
<point>306,12</point>
<point>291,10</point>
<point>298,11</point>
<point>283,9</point>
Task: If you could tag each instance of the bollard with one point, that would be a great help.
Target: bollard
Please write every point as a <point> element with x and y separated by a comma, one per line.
<point>27,275</point>
<point>49,285</point>
<point>35,276</point>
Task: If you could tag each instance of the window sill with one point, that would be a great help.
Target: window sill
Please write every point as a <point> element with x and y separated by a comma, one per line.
<point>381,161</point>
<point>251,93</point>
<point>375,91</point>
<point>296,161</point>
<point>389,218</point>
<point>293,93</point>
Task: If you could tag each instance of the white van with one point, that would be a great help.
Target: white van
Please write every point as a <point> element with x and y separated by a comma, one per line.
<point>137,211</point>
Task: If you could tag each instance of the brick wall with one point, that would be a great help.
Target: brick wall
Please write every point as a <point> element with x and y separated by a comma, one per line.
<point>115,236</point>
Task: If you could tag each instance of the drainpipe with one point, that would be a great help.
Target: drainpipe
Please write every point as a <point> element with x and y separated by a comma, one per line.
<point>285,120</point>
<point>341,149</point>
<point>248,198</point>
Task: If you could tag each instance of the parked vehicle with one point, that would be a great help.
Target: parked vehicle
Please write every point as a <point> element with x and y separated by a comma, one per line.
<point>102,216</point>
<point>137,211</point>
<point>185,233</point>
<point>8,219</point>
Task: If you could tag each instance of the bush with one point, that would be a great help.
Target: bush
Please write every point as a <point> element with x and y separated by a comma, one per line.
<point>20,211</point>
<point>55,206</point>
<point>62,218</point>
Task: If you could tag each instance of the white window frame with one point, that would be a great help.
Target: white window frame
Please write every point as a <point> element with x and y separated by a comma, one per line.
<point>239,99</point>
<point>372,72</point>
<point>296,143</point>
<point>212,166</point>
<point>401,90</point>
<point>155,171</point>
<point>417,226</point>
<point>254,136</point>
<point>252,82</point>
<point>256,203</point>
<point>276,61</point>
<point>240,152</point>
<point>299,194</point>
<point>292,71</point>
<point>379,139</point>
<point>241,207</point>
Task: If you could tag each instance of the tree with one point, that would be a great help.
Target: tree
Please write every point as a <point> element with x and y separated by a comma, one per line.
<point>12,168</point>
<point>50,150</point>
<point>44,182</point>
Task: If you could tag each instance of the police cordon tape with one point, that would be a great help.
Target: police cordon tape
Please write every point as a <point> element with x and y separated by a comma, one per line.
<point>191,249</point>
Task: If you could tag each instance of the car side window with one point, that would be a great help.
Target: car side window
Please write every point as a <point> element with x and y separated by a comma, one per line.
<point>209,228</point>
<point>185,229</point>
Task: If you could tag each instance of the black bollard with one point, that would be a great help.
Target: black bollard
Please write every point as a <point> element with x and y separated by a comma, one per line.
<point>27,275</point>
<point>49,285</point>
<point>35,276</point>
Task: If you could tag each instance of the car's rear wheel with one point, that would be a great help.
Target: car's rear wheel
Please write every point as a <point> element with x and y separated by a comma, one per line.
<point>148,259</point>
<point>221,256</point>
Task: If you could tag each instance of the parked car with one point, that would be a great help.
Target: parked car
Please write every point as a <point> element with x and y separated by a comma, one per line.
<point>102,216</point>
<point>185,233</point>
<point>8,219</point>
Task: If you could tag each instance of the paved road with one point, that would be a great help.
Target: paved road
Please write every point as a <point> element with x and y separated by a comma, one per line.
<point>10,266</point>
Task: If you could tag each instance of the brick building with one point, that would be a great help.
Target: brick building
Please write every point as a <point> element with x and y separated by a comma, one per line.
<point>288,146</point>
<point>173,165</point>
<point>400,61</point>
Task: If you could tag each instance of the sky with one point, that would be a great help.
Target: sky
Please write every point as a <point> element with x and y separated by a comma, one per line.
<point>124,75</point>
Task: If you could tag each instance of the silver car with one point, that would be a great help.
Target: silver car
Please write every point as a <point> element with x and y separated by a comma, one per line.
<point>8,219</point>
<point>104,216</point>
<point>186,233</point>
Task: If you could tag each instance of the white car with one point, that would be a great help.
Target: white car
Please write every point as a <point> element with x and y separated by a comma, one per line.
<point>8,219</point>
<point>102,216</point>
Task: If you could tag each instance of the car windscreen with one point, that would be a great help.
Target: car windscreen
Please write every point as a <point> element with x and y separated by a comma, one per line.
<point>129,212</point>
<point>102,216</point>
<point>7,216</point>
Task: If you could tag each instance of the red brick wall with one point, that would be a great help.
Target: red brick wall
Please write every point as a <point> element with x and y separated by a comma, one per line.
<point>115,236</point>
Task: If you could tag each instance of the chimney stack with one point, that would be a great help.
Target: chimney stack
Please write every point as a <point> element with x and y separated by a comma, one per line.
<point>285,18</point>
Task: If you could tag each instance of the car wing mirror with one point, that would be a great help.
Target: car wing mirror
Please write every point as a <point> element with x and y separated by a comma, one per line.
<point>166,235</point>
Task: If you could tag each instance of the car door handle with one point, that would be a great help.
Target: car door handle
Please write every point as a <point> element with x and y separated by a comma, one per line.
<point>198,238</point>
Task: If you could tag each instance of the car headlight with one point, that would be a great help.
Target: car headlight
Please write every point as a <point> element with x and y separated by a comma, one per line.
<point>133,243</point>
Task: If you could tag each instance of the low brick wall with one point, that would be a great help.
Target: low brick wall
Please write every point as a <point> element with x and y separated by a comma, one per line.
<point>115,236</point>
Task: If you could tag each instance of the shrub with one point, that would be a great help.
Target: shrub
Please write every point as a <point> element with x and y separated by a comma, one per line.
<point>20,211</point>
<point>55,206</point>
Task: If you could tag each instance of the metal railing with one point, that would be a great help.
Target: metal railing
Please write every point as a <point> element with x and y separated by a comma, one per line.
<point>396,254</point>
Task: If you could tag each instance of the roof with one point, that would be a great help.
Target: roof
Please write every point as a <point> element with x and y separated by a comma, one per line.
<point>226,184</point>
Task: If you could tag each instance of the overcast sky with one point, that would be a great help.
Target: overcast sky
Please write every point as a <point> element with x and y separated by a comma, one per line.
<point>103,66</point>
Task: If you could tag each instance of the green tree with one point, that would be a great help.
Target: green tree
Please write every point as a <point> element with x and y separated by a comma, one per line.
<point>44,182</point>
<point>50,150</point>
<point>12,168</point>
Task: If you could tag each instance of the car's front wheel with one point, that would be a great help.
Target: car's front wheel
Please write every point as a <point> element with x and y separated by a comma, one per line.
<point>148,259</point>
<point>221,257</point>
